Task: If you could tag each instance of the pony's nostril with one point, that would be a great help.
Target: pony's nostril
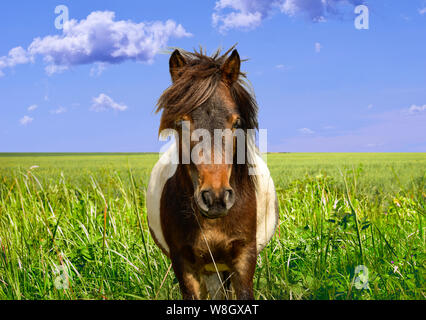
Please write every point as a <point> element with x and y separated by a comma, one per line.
<point>207,198</point>
<point>228,198</point>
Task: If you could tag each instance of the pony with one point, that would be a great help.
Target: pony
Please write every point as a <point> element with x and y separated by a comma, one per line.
<point>212,219</point>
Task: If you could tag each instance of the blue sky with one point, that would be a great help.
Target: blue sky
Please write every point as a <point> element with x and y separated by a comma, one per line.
<point>321,84</point>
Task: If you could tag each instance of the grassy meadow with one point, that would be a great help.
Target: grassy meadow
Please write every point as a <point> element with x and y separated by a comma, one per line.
<point>73,226</point>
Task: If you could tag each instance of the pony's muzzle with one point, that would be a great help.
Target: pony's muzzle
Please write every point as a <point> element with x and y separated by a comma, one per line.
<point>215,203</point>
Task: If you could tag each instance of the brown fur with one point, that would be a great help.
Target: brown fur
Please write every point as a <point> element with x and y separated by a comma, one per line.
<point>231,239</point>
<point>196,81</point>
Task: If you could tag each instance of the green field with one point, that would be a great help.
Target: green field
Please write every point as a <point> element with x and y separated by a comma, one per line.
<point>75,227</point>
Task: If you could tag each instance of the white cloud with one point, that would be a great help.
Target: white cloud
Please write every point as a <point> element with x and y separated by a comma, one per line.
<point>416,109</point>
<point>306,131</point>
<point>282,67</point>
<point>59,110</point>
<point>32,107</point>
<point>316,10</point>
<point>53,68</point>
<point>318,47</point>
<point>104,102</point>
<point>422,11</point>
<point>97,39</point>
<point>97,69</point>
<point>249,14</point>
<point>236,20</point>
<point>370,106</point>
<point>16,56</point>
<point>25,120</point>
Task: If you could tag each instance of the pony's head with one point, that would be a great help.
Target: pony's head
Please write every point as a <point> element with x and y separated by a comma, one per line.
<point>209,107</point>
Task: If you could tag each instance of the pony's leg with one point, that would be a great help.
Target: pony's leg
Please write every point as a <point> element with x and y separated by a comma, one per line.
<point>189,279</point>
<point>244,268</point>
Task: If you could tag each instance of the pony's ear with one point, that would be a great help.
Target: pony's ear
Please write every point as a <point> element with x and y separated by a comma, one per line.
<point>231,68</point>
<point>176,62</point>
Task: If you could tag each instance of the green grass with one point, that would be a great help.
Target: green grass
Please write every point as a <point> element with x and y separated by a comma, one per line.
<point>82,218</point>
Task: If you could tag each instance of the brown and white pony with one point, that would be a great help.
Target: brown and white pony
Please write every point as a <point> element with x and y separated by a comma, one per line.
<point>212,219</point>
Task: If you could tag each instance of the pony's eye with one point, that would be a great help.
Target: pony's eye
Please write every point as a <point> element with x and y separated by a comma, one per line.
<point>237,124</point>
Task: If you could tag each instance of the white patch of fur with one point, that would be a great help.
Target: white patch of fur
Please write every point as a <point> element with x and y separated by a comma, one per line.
<point>163,170</point>
<point>266,198</point>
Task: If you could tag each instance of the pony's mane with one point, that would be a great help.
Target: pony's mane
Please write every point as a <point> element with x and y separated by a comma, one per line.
<point>197,82</point>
